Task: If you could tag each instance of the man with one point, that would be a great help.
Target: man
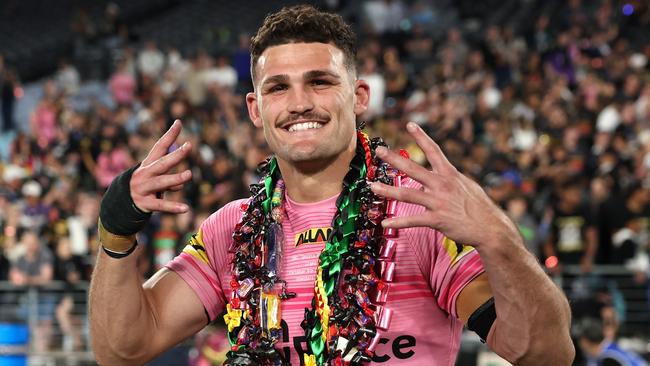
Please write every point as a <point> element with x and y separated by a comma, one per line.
<point>601,351</point>
<point>326,183</point>
<point>574,237</point>
<point>35,268</point>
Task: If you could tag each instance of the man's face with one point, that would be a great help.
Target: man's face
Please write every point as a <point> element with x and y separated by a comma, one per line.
<point>307,101</point>
<point>31,243</point>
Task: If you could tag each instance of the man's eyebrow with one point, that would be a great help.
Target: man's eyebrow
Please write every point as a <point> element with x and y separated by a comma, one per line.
<point>276,79</point>
<point>320,73</point>
<point>284,79</point>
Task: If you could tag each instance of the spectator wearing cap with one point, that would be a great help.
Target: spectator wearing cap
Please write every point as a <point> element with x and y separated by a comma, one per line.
<point>12,176</point>
<point>34,213</point>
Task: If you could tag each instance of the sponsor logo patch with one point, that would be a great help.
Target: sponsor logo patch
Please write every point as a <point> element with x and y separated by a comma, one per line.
<point>316,235</point>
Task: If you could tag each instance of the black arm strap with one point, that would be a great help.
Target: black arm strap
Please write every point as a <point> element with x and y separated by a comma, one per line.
<point>482,319</point>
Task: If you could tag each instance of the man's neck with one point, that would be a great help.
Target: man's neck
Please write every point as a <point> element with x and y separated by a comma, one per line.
<point>317,180</point>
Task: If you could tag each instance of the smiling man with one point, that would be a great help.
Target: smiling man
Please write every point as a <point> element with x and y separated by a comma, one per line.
<point>346,253</point>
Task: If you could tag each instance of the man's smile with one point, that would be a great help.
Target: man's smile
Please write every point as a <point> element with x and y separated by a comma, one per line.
<point>303,126</point>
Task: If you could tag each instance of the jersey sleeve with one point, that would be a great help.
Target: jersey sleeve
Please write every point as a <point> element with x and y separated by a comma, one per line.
<point>204,264</point>
<point>447,266</point>
<point>454,266</point>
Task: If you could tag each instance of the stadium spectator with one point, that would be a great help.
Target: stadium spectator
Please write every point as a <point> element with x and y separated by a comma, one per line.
<point>43,122</point>
<point>601,351</point>
<point>67,78</point>
<point>573,239</point>
<point>151,60</point>
<point>123,85</point>
<point>34,213</point>
<point>35,268</point>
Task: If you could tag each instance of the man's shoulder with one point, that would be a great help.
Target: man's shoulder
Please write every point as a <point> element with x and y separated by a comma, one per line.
<point>45,255</point>
<point>230,209</point>
<point>227,216</point>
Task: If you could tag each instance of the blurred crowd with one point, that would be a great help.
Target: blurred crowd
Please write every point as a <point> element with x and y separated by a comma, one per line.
<point>553,120</point>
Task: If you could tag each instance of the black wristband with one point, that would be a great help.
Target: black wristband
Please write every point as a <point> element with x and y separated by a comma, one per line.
<point>117,212</point>
<point>482,319</point>
<point>118,255</point>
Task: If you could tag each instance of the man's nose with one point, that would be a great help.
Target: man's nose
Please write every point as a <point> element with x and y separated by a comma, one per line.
<point>299,100</point>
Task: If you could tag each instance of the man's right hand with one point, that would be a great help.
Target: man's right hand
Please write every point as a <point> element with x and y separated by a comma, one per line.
<point>151,179</point>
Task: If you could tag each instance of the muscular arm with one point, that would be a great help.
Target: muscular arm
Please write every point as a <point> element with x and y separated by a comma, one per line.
<point>513,335</point>
<point>131,323</point>
<point>533,316</point>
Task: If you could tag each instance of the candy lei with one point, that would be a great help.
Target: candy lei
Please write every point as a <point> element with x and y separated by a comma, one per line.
<point>354,272</point>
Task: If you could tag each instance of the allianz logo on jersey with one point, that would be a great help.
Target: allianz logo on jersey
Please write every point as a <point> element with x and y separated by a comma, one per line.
<point>317,235</point>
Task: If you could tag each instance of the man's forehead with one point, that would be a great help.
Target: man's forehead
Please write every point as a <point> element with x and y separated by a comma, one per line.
<point>298,58</point>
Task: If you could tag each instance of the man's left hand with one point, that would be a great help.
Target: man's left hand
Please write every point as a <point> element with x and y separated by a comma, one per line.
<point>455,205</point>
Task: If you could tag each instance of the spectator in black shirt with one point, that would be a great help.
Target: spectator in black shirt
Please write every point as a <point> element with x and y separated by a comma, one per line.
<point>573,238</point>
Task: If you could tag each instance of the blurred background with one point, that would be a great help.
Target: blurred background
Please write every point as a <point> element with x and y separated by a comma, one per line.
<point>545,102</point>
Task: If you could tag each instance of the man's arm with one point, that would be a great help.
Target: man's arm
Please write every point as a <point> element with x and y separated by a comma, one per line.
<point>45,275</point>
<point>532,315</point>
<point>131,323</point>
<point>17,277</point>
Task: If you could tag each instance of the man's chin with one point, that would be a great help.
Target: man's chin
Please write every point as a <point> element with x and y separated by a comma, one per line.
<point>309,161</point>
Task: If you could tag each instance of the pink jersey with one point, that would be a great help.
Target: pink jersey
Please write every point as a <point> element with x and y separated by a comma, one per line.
<point>431,270</point>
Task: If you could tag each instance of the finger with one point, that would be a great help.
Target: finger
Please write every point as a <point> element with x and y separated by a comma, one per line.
<point>402,194</point>
<point>408,166</point>
<point>165,182</point>
<point>406,222</point>
<point>161,146</point>
<point>166,162</point>
<point>431,150</point>
<point>162,205</point>
<point>176,188</point>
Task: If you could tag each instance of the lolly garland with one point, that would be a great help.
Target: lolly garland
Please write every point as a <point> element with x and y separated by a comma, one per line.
<point>354,271</point>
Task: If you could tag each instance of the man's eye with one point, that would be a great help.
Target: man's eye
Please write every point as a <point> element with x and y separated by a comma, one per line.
<point>319,82</point>
<point>277,88</point>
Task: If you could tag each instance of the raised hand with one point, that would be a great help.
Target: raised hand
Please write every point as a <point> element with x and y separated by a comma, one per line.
<point>455,205</point>
<point>153,178</point>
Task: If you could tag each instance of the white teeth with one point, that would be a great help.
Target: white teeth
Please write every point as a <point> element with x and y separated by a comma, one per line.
<point>304,126</point>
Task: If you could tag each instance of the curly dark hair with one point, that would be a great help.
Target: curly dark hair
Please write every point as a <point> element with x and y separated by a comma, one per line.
<point>304,23</point>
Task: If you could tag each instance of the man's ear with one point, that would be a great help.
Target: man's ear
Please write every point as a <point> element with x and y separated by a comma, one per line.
<point>253,109</point>
<point>362,94</point>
